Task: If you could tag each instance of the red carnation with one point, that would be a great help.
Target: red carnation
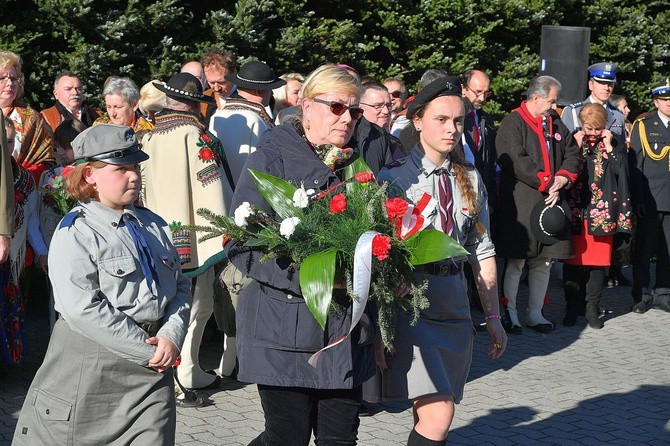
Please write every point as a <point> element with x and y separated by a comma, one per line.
<point>364,177</point>
<point>338,204</point>
<point>206,154</point>
<point>396,207</point>
<point>381,245</point>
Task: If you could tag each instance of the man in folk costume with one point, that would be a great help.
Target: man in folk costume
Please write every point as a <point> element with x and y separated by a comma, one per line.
<point>188,171</point>
<point>539,159</point>
<point>245,115</point>
<point>69,95</point>
<point>650,195</point>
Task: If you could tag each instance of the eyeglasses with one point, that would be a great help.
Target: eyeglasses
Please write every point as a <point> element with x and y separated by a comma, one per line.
<point>11,78</point>
<point>379,107</point>
<point>396,94</point>
<point>485,93</point>
<point>338,108</point>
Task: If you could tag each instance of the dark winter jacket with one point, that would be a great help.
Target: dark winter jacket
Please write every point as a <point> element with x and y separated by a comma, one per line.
<point>276,334</point>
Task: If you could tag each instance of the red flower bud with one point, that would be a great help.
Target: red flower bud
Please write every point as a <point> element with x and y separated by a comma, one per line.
<point>396,207</point>
<point>381,245</point>
<point>364,177</point>
<point>338,204</point>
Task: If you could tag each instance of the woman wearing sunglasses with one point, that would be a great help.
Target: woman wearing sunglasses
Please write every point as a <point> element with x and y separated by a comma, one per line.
<point>432,359</point>
<point>276,334</point>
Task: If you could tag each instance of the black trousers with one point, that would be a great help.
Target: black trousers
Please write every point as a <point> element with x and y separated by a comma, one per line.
<point>292,413</point>
<point>652,234</point>
<point>582,285</point>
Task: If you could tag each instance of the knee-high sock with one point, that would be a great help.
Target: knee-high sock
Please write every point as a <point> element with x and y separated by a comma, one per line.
<point>539,271</point>
<point>511,286</point>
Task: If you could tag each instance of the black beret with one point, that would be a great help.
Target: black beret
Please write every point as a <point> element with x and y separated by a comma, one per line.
<point>444,86</point>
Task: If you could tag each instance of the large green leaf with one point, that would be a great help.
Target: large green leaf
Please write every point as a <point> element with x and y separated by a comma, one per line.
<point>277,192</point>
<point>431,245</point>
<point>317,276</point>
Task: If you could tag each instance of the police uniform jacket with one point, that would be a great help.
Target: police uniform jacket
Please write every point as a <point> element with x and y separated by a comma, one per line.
<point>415,175</point>
<point>99,288</point>
<point>650,163</point>
<point>276,333</point>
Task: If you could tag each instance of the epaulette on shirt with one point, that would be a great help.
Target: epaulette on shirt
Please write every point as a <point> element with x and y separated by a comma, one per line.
<point>68,219</point>
<point>578,104</point>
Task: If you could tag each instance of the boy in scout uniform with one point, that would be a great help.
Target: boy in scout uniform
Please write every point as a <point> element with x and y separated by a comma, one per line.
<point>650,193</point>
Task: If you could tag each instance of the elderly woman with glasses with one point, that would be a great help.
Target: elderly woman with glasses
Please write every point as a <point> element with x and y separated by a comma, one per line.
<point>121,99</point>
<point>276,334</point>
<point>33,147</point>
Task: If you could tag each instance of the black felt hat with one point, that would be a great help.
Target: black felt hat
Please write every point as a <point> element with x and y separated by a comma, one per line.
<point>255,75</point>
<point>184,86</point>
<point>550,224</point>
<point>444,86</point>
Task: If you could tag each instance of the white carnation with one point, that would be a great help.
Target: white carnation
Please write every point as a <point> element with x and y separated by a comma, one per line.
<point>300,198</point>
<point>243,212</point>
<point>287,226</point>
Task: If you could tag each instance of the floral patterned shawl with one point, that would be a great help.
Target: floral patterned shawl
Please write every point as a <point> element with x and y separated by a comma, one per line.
<point>34,145</point>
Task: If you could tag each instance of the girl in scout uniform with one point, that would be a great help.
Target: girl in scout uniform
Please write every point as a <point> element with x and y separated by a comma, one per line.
<point>432,359</point>
<point>124,306</point>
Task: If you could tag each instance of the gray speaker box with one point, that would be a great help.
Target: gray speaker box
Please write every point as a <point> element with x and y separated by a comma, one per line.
<point>564,54</point>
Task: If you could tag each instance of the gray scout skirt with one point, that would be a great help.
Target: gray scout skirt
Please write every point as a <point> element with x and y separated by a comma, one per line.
<point>434,356</point>
<point>83,394</point>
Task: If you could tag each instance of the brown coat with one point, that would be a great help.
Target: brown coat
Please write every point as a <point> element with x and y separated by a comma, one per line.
<point>6,185</point>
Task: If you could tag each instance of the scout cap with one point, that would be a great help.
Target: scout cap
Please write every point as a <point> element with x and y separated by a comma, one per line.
<point>661,90</point>
<point>444,86</point>
<point>109,143</point>
<point>603,71</point>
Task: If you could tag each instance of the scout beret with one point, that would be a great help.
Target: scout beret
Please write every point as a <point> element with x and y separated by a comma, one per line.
<point>661,90</point>
<point>603,71</point>
<point>110,143</point>
<point>444,86</point>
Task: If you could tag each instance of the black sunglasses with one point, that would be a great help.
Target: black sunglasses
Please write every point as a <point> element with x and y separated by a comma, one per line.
<point>338,108</point>
<point>396,94</point>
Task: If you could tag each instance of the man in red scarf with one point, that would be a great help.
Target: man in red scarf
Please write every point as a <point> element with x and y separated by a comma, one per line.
<point>539,160</point>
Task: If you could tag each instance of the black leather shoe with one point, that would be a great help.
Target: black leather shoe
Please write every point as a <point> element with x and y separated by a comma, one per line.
<point>543,328</point>
<point>570,320</point>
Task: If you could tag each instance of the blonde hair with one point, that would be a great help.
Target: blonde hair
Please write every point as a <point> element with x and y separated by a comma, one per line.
<point>10,59</point>
<point>593,115</point>
<point>328,79</point>
<point>152,100</point>
<point>76,185</point>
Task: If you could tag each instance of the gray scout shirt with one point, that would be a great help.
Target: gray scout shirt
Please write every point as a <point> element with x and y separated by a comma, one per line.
<point>414,175</point>
<point>99,287</point>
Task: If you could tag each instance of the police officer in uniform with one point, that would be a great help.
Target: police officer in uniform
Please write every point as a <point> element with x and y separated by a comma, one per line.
<point>650,193</point>
<point>602,78</point>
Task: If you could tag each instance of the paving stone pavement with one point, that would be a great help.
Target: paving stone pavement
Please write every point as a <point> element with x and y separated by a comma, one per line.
<point>574,386</point>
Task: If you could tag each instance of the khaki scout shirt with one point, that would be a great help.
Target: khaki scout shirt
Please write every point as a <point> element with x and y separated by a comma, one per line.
<point>99,287</point>
<point>415,175</point>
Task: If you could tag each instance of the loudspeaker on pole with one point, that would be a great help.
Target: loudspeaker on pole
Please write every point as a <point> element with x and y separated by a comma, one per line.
<point>564,54</point>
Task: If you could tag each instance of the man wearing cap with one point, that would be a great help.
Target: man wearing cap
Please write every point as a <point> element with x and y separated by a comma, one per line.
<point>187,171</point>
<point>602,78</point>
<point>245,115</point>
<point>539,159</point>
<point>650,196</point>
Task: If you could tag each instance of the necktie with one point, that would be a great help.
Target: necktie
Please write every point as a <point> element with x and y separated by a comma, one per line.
<point>144,253</point>
<point>446,200</point>
<point>547,136</point>
<point>475,130</point>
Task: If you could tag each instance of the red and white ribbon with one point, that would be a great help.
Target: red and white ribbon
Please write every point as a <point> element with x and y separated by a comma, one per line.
<point>416,217</point>
<point>362,278</point>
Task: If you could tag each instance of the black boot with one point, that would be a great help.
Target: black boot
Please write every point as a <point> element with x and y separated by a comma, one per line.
<point>593,317</point>
<point>573,289</point>
<point>594,287</point>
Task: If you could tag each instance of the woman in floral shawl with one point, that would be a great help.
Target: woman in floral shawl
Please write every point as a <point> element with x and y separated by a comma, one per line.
<point>600,207</point>
<point>33,149</point>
